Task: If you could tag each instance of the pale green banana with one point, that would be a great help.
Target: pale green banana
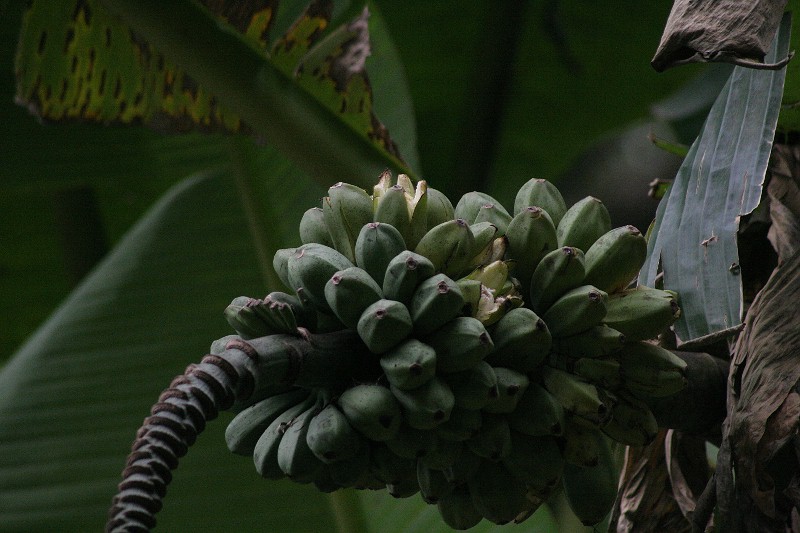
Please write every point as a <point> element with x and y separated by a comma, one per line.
<point>543,194</point>
<point>583,224</point>
<point>615,259</point>
<point>558,272</point>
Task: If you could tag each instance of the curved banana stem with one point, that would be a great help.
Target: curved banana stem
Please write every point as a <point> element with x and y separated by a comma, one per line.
<point>216,383</point>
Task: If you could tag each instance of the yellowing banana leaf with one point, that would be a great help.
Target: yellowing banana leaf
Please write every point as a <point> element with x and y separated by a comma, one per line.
<point>694,238</point>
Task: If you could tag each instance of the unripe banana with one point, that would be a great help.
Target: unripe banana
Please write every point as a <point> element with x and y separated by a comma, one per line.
<point>404,273</point>
<point>242,317</point>
<point>603,372</point>
<point>331,437</point>
<point>265,452</point>
<point>439,208</point>
<point>377,244</point>
<point>558,272</point>
<point>521,340</point>
<point>531,235</point>
<point>303,313</point>
<point>349,292</point>
<point>538,413</point>
<point>591,491</point>
<point>641,313</point>
<point>496,493</point>
<point>428,405</point>
<point>444,455</point>
<point>409,365</point>
<point>393,210</point>
<point>457,509</point>
<point>576,311</point>
<point>462,425</point>
<point>494,251</point>
<point>372,410</point>
<point>383,325</point>
<point>473,388</point>
<point>597,341</point>
<point>432,483</point>
<point>583,223</point>
<point>495,214</point>
<point>449,246</point>
<point>537,461</point>
<point>632,423</point>
<point>581,445</point>
<point>460,344</point>
<point>403,206</point>
<point>411,443</point>
<point>470,204</point>
<point>310,267</point>
<point>484,246</point>
<point>493,276</point>
<point>354,471</point>
<point>346,209</point>
<point>464,469</point>
<point>248,425</point>
<point>314,229</point>
<point>493,440</point>
<point>543,194</point>
<point>511,386</point>
<point>471,291</point>
<point>389,468</point>
<point>651,371</point>
<point>615,258</point>
<point>295,458</point>
<point>280,263</point>
<point>435,302</point>
<point>578,397</point>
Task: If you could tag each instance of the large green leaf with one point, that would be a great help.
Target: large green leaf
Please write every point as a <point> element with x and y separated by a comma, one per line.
<point>694,238</point>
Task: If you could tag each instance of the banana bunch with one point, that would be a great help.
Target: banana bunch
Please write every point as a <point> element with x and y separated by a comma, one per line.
<point>505,350</point>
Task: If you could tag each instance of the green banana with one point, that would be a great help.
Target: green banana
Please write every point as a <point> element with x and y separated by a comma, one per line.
<point>411,443</point>
<point>531,235</point>
<point>591,491</point>
<point>558,272</point>
<point>449,246</point>
<point>581,445</point>
<point>433,486</point>
<point>435,302</point>
<point>460,344</point>
<point>493,440</point>
<point>537,461</point>
<point>597,341</point>
<point>470,204</point>
<point>383,325</point>
<point>377,244</point>
<point>294,457</point>
<point>242,317</point>
<point>444,455</point>
<point>457,509</point>
<point>409,364</point>
<point>473,388</point>
<point>462,425</point>
<point>578,310</point>
<point>302,313</point>
<point>310,267</point>
<point>578,397</point>
<point>511,386</point>
<point>392,209</point>
<point>538,413</point>
<point>389,468</point>
<point>471,291</point>
<point>651,371</point>
<point>280,263</point>
<point>428,405</point>
<point>497,494</point>
<point>493,275</point>
<point>349,292</point>
<point>543,194</point>
<point>464,469</point>
<point>521,340</point>
<point>314,229</point>
<point>265,452</point>
<point>632,423</point>
<point>372,410</point>
<point>603,372</point>
<point>484,246</point>
<point>495,214</point>
<point>641,313</point>
<point>583,223</point>
<point>346,209</point>
<point>404,207</point>
<point>615,258</point>
<point>439,208</point>
<point>404,273</point>
<point>331,437</point>
<point>248,425</point>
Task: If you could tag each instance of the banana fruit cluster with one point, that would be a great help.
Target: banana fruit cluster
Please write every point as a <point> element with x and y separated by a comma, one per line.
<point>508,349</point>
